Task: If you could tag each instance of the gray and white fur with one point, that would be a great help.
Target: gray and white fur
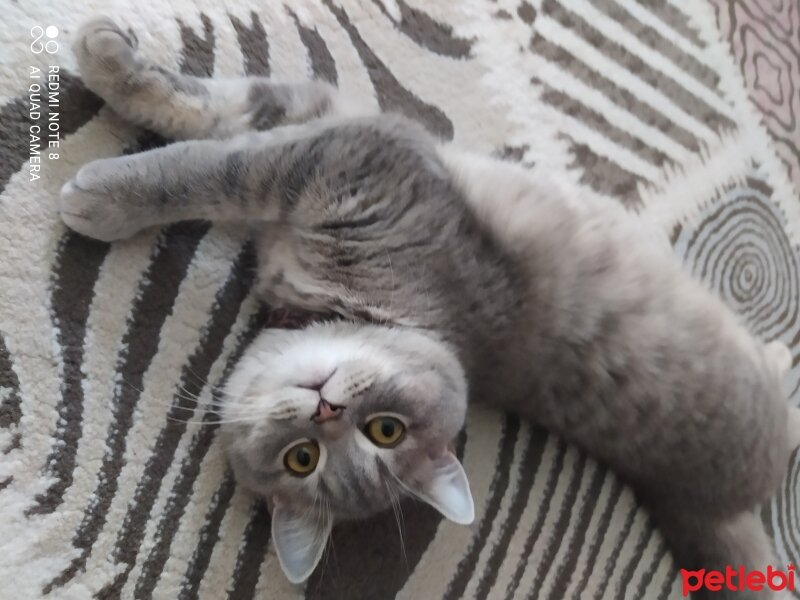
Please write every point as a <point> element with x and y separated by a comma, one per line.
<point>458,276</point>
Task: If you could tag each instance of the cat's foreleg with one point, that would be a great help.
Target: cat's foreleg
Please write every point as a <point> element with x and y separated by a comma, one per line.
<point>180,106</point>
<point>299,173</point>
<point>113,198</point>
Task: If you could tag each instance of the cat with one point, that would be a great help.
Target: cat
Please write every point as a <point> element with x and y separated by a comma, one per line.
<point>457,276</point>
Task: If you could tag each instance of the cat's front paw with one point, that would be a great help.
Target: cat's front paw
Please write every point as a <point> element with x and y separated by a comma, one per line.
<point>90,207</point>
<point>104,51</point>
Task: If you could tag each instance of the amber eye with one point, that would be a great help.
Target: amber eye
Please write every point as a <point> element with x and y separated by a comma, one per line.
<point>301,459</point>
<point>385,432</point>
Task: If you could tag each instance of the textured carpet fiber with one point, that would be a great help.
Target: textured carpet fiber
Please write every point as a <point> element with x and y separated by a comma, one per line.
<point>112,483</point>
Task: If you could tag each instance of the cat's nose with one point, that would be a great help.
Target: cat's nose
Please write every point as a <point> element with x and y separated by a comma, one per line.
<point>326,411</point>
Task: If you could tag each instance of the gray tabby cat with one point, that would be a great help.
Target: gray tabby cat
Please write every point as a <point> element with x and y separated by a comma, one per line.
<point>458,276</point>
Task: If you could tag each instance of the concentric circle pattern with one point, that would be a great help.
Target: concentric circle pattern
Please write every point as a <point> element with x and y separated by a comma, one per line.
<point>741,249</point>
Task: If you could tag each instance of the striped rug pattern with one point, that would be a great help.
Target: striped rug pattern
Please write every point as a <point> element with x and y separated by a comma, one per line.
<point>112,483</point>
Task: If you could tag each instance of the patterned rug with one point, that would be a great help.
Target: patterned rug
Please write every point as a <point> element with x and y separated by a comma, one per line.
<point>684,111</point>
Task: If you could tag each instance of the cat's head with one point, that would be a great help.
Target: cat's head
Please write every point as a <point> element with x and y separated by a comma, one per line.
<point>337,421</point>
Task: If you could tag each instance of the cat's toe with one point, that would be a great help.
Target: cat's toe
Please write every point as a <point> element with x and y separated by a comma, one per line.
<point>103,48</point>
<point>79,211</point>
<point>89,211</point>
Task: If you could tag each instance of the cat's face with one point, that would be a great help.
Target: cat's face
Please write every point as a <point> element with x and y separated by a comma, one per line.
<point>337,421</point>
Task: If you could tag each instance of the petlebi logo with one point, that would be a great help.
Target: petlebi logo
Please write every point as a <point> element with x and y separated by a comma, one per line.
<point>738,580</point>
<point>43,99</point>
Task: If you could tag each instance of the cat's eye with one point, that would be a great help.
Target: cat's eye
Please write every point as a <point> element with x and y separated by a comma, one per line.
<point>385,431</point>
<point>301,459</point>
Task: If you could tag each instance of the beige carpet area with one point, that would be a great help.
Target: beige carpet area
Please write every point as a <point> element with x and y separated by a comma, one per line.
<point>684,111</point>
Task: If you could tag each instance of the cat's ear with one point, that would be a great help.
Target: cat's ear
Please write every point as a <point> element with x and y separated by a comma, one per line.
<point>444,486</point>
<point>299,537</point>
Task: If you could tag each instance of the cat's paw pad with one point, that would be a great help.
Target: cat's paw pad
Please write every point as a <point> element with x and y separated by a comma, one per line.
<point>104,49</point>
<point>89,207</point>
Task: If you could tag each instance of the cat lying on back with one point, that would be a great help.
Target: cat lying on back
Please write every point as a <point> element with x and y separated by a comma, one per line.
<point>457,275</point>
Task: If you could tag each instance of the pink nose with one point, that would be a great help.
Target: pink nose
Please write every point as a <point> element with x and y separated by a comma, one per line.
<point>326,411</point>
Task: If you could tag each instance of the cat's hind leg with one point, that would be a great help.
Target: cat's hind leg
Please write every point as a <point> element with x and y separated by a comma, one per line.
<point>181,106</point>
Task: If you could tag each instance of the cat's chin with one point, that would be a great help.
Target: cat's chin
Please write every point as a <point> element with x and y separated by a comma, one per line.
<point>296,318</point>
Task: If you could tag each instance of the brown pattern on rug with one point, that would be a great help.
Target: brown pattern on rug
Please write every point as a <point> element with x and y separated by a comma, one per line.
<point>764,36</point>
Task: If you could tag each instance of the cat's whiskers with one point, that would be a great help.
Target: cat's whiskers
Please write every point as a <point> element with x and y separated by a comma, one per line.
<point>394,500</point>
<point>209,422</point>
<point>186,396</point>
<point>401,487</point>
<point>330,538</point>
<point>210,408</point>
<point>319,535</point>
<point>205,382</point>
<point>398,496</point>
<point>282,415</point>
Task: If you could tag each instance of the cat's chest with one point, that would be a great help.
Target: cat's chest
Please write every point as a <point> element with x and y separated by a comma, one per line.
<point>284,279</point>
<point>295,271</point>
